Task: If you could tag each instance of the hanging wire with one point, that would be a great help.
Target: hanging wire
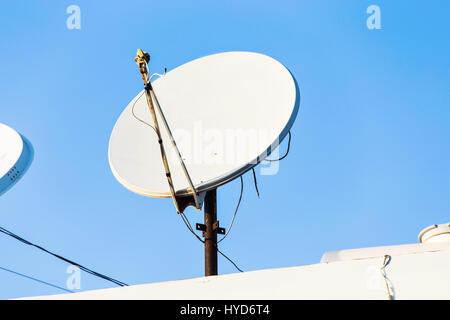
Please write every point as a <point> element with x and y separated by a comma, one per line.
<point>189,226</point>
<point>272,160</point>
<point>235,211</point>
<point>94,273</point>
<point>157,74</point>
<point>287,151</point>
<point>35,279</point>
<point>148,79</point>
<point>255,181</point>
<point>387,260</point>
<point>234,264</point>
<point>136,117</point>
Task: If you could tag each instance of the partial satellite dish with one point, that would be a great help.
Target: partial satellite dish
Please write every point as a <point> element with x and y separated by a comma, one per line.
<point>16,154</point>
<point>226,112</point>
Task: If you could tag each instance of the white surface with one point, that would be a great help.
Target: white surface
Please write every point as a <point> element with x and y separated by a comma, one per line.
<point>11,146</point>
<point>440,238</point>
<point>435,234</point>
<point>421,275</point>
<point>375,252</point>
<point>212,105</point>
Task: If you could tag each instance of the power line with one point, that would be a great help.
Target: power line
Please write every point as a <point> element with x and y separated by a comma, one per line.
<point>9,233</point>
<point>35,279</point>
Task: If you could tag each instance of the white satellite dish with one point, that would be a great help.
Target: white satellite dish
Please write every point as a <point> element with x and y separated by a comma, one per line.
<point>16,154</point>
<point>226,111</point>
<point>220,116</point>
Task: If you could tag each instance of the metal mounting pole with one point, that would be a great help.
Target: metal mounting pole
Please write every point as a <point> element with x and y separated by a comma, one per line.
<point>210,233</point>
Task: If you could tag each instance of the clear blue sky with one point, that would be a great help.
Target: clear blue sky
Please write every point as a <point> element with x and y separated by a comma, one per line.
<point>370,156</point>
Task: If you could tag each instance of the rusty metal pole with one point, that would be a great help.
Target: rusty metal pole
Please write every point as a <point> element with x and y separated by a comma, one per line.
<point>211,233</point>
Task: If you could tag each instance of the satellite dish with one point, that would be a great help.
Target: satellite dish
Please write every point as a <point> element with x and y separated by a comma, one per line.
<point>226,111</point>
<point>200,126</point>
<point>16,155</point>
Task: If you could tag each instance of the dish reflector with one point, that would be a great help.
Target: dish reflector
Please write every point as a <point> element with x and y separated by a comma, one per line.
<point>15,157</point>
<point>226,111</point>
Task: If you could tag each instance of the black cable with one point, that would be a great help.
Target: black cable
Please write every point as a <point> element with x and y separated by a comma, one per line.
<point>235,211</point>
<point>9,233</point>
<point>287,151</point>
<point>234,264</point>
<point>188,225</point>
<point>136,117</point>
<point>255,181</point>
<point>35,279</point>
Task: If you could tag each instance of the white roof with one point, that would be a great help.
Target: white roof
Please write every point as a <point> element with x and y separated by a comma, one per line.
<point>375,252</point>
<point>414,272</point>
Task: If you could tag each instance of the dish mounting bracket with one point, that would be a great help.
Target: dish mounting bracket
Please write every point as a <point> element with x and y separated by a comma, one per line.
<point>181,203</point>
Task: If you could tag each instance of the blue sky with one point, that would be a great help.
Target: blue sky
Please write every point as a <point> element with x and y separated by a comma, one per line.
<point>369,162</point>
